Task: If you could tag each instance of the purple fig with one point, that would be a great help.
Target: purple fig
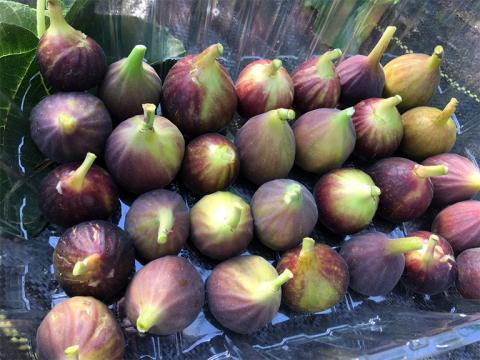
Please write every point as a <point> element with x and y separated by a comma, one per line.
<point>347,200</point>
<point>324,139</point>
<point>320,277</point>
<point>262,86</point>
<point>130,83</point>
<point>159,223</point>
<point>221,224</point>
<point>94,258</point>
<point>284,212</point>
<point>468,280</point>
<point>316,83</point>
<point>266,146</point>
<point>72,193</point>
<point>211,164</point>
<point>80,328</point>
<point>375,262</point>
<point>65,126</point>
<point>69,60</point>
<point>362,76</point>
<point>148,145</point>
<point>406,187</point>
<point>165,296</point>
<point>198,94</point>
<point>244,293</point>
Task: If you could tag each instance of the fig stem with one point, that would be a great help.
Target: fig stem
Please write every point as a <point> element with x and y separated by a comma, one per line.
<point>82,266</point>
<point>146,319</point>
<point>275,65</point>
<point>435,60</point>
<point>67,123</point>
<point>308,246</point>
<point>235,216</point>
<point>424,171</point>
<point>75,181</point>
<point>40,17</point>
<point>430,251</point>
<point>166,220</point>
<point>447,112</point>
<point>58,23</point>
<point>325,68</point>
<point>133,65</point>
<point>388,103</point>
<point>72,352</point>
<point>285,114</point>
<point>381,46</point>
<point>149,116</point>
<point>208,56</point>
<point>403,245</point>
<point>282,279</point>
<point>375,191</point>
<point>293,194</point>
<point>346,114</point>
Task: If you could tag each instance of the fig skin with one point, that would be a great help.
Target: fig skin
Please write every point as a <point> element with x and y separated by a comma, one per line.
<point>406,187</point>
<point>320,277</point>
<point>77,192</point>
<point>468,280</point>
<point>158,223</point>
<point>460,225</point>
<point>244,293</point>
<point>65,126</point>
<point>67,59</point>
<point>211,163</point>
<point>324,139</point>
<point>375,262</point>
<point>284,212</point>
<point>94,258</point>
<point>266,146</point>
<point>428,131</point>
<point>165,296</point>
<point>221,225</point>
<point>80,328</point>
<point>130,83</point>
<point>198,94</point>
<point>347,200</point>
<point>148,145</point>
<point>316,83</point>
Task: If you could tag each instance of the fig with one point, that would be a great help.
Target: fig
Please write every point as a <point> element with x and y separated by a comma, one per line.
<point>405,186</point>
<point>158,223</point>
<point>431,269</point>
<point>130,83</point>
<point>148,145</point>
<point>198,94</point>
<point>461,183</point>
<point>73,193</point>
<point>468,280</point>
<point>65,126</point>
<point>460,225</point>
<point>266,146</point>
<point>80,328</point>
<point>347,200</point>
<point>262,86</point>
<point>428,131</point>
<point>284,212</point>
<point>68,59</point>
<point>94,258</point>
<point>324,139</point>
<point>165,296</point>
<point>415,77</point>
<point>211,164</point>
<point>375,262</point>
<point>244,293</point>
<point>362,77</point>
<point>316,83</point>
<point>222,225</point>
<point>378,126</point>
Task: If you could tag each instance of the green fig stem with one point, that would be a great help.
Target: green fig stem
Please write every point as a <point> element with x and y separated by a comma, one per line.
<point>388,103</point>
<point>308,247</point>
<point>274,66</point>
<point>375,191</point>
<point>208,56</point>
<point>235,216</point>
<point>447,112</point>
<point>58,23</point>
<point>324,66</point>
<point>293,194</point>
<point>285,114</point>
<point>67,123</point>
<point>282,279</point>
<point>146,319</point>
<point>430,251</point>
<point>40,17</point>
<point>89,263</point>
<point>133,65</point>
<point>149,116</point>
<point>424,171</point>
<point>435,60</point>
<point>75,181</point>
<point>166,220</point>
<point>381,46</point>
<point>345,115</point>
<point>403,245</point>
<point>72,352</point>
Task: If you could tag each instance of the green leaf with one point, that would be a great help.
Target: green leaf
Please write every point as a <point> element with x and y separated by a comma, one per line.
<point>15,13</point>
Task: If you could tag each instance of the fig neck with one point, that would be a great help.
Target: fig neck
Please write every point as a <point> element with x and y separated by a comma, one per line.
<point>344,116</point>
<point>423,171</point>
<point>90,263</point>
<point>58,24</point>
<point>400,246</point>
<point>377,52</point>
<point>293,195</point>
<point>132,67</point>
<point>282,115</point>
<point>208,57</point>
<point>435,59</point>
<point>447,112</point>
<point>147,318</point>
<point>148,116</point>
<point>67,123</point>
<point>307,250</point>
<point>166,221</point>
<point>72,352</point>
<point>366,191</point>
<point>430,250</point>
<point>221,154</point>
<point>234,217</point>
<point>325,67</point>
<point>475,182</point>
<point>76,180</point>
<point>274,67</point>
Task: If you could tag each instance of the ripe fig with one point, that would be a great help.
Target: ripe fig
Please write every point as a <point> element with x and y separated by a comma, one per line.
<point>148,145</point>
<point>72,193</point>
<point>415,77</point>
<point>347,200</point>
<point>94,258</point>
<point>266,146</point>
<point>362,76</point>
<point>324,139</point>
<point>428,131</point>
<point>244,293</point>
<point>69,60</point>
<point>468,280</point>
<point>130,83</point>
<point>198,94</point>
<point>262,86</point>
<point>80,328</point>
<point>221,224</point>
<point>65,126</point>
<point>165,296</point>
<point>375,262</point>
<point>460,225</point>
<point>211,163</point>
<point>158,222</point>
<point>316,83</point>
<point>406,187</point>
<point>284,212</point>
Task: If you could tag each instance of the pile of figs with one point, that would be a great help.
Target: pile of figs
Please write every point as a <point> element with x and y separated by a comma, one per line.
<point>357,108</point>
